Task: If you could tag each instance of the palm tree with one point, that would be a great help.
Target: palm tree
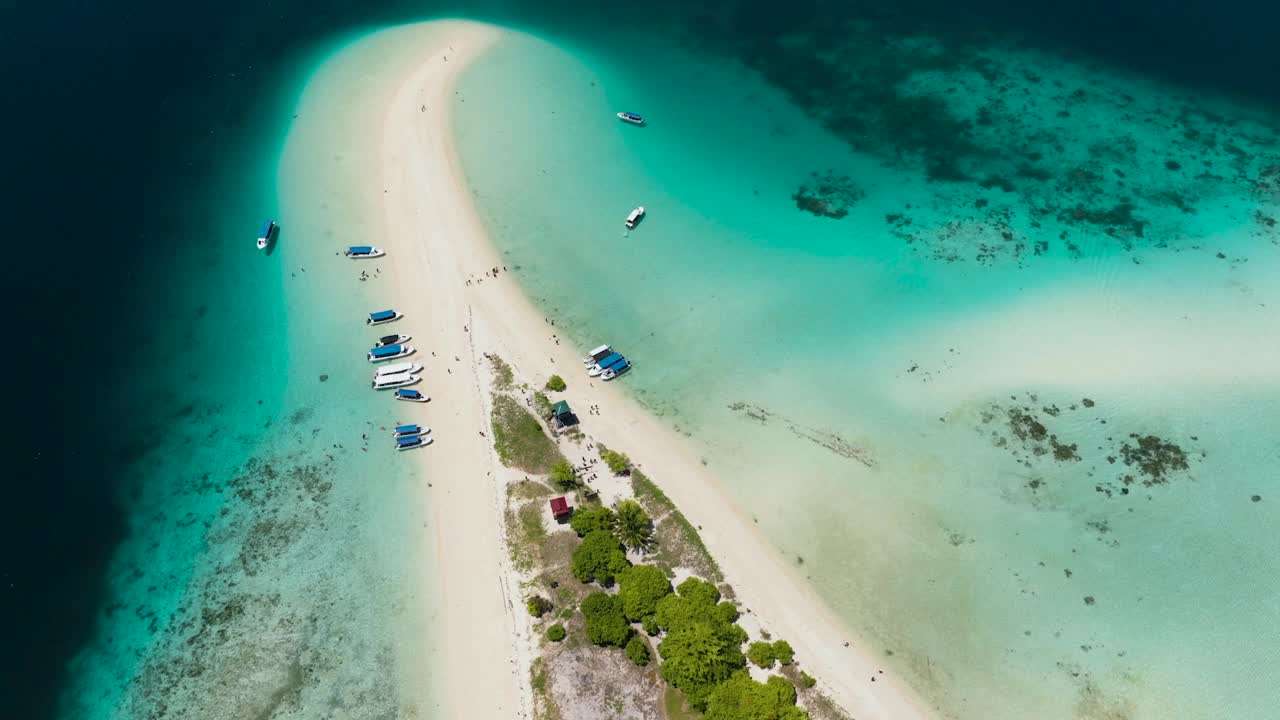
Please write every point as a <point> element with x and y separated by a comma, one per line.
<point>631,525</point>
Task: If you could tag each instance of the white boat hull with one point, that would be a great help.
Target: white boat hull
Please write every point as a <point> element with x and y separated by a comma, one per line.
<point>422,430</point>
<point>421,398</point>
<point>377,253</point>
<point>394,382</point>
<point>406,352</point>
<point>400,340</point>
<point>262,243</point>
<point>426,440</point>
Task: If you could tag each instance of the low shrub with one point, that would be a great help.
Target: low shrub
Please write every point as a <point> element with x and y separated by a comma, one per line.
<point>555,383</point>
<point>783,652</point>
<point>538,606</point>
<point>806,680</point>
<point>617,462</point>
<point>555,633</point>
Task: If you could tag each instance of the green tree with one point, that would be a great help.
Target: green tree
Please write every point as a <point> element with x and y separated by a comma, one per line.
<point>640,588</point>
<point>761,653</point>
<point>741,698</point>
<point>650,626</point>
<point>564,476</point>
<point>556,383</point>
<point>695,658</point>
<point>604,620</point>
<point>638,651</point>
<point>632,526</point>
<point>728,611</point>
<point>538,605</point>
<point>598,558</point>
<point>782,650</point>
<point>617,462</point>
<point>585,521</point>
<point>555,633</point>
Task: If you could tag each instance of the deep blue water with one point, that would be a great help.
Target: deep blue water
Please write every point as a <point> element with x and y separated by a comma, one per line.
<point>118,121</point>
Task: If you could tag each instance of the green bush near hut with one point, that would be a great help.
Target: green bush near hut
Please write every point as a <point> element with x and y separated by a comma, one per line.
<point>585,521</point>
<point>604,621</point>
<point>638,651</point>
<point>617,462</point>
<point>598,558</point>
<point>640,587</point>
<point>555,633</point>
<point>761,653</point>
<point>542,405</point>
<point>741,698</point>
<point>555,383</point>
<point>563,475</point>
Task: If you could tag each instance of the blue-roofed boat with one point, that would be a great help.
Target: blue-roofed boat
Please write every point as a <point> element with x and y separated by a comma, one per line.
<point>392,340</point>
<point>386,382</point>
<point>410,395</point>
<point>408,443</point>
<point>264,235</point>
<point>359,252</point>
<point>409,430</point>
<point>389,352</point>
<point>604,363</point>
<point>631,117</point>
<point>616,369</point>
<point>383,316</point>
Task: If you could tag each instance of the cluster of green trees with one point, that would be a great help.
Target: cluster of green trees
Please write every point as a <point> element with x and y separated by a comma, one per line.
<point>766,654</point>
<point>563,475</point>
<point>599,558</point>
<point>741,698</point>
<point>702,646</point>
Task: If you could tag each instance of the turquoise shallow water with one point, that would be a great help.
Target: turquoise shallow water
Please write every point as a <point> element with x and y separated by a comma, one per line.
<point>1011,429</point>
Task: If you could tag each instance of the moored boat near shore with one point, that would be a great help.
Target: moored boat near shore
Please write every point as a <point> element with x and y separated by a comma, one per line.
<point>389,352</point>
<point>410,430</point>
<point>631,117</point>
<point>414,441</point>
<point>360,252</point>
<point>397,369</point>
<point>410,395</point>
<point>383,316</point>
<point>387,382</point>
<point>616,369</point>
<point>392,340</point>
<point>603,364</point>
<point>595,355</point>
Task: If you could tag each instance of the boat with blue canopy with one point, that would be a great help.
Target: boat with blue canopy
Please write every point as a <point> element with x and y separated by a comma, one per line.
<point>595,355</point>
<point>414,441</point>
<point>409,430</point>
<point>389,352</point>
<point>264,235</point>
<point>631,117</point>
<point>357,252</point>
<point>410,395</point>
<point>616,369</point>
<point>383,316</point>
<point>604,363</point>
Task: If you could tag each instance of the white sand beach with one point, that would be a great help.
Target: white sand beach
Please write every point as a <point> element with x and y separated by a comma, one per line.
<point>421,211</point>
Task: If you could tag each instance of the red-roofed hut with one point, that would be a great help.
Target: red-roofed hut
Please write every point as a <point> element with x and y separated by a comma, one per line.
<point>560,509</point>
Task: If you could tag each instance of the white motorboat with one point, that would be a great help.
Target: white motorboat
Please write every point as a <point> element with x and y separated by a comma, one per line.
<point>360,252</point>
<point>383,316</point>
<point>635,216</point>
<point>390,352</point>
<point>413,441</point>
<point>594,356</point>
<point>397,369</point>
<point>411,395</point>
<point>264,235</point>
<point>392,340</point>
<point>386,382</point>
<point>631,117</point>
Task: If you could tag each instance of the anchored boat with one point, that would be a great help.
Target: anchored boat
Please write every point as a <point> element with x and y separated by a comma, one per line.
<point>358,252</point>
<point>616,369</point>
<point>604,363</point>
<point>389,352</point>
<point>408,443</point>
<point>393,340</point>
<point>397,369</point>
<point>635,216</point>
<point>409,430</point>
<point>632,118</point>
<point>264,235</point>
<point>410,395</point>
<point>594,356</point>
<point>386,382</point>
<point>383,316</point>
